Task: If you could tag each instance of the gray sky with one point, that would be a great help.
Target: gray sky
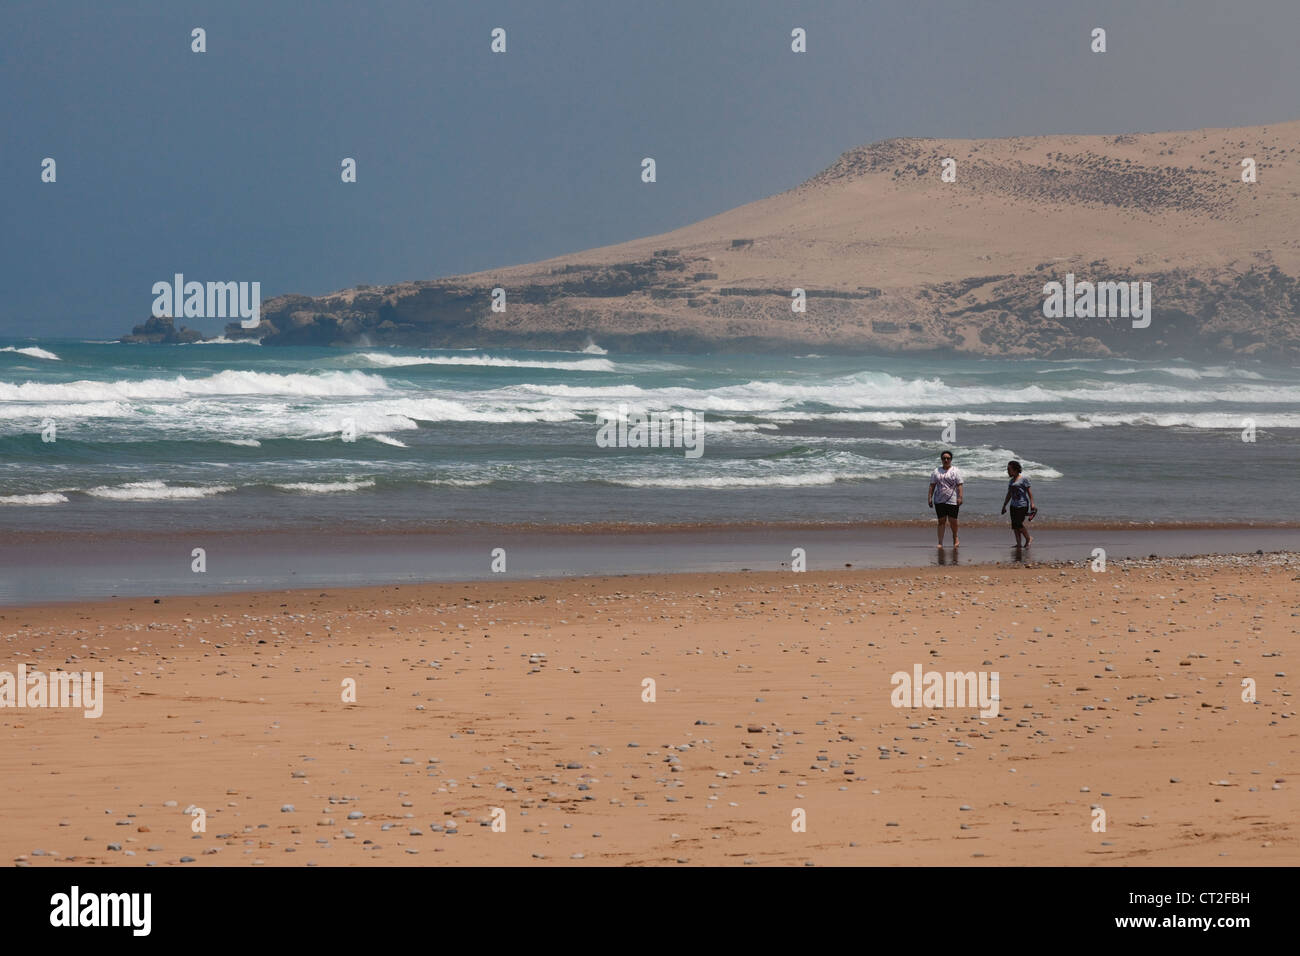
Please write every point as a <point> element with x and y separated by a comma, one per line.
<point>225,165</point>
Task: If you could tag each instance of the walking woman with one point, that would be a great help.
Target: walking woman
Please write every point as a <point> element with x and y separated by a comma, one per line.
<point>1021,500</point>
<point>946,484</point>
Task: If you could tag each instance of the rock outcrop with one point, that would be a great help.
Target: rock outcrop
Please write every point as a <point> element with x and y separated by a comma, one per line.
<point>156,331</point>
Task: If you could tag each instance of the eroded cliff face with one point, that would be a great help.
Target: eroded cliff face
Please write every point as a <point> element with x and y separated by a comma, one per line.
<point>893,259</point>
<point>669,310</point>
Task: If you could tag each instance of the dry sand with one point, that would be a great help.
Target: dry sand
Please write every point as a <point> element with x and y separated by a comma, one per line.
<point>1120,689</point>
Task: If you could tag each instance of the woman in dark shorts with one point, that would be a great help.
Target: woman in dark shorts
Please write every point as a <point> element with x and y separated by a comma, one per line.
<point>1021,500</point>
<point>946,484</point>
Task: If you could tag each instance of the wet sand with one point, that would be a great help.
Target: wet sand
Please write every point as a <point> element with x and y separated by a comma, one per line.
<point>1119,689</point>
<point>62,566</point>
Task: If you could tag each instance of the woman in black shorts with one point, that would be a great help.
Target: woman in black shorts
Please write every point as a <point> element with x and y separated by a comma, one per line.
<point>1021,500</point>
<point>946,484</point>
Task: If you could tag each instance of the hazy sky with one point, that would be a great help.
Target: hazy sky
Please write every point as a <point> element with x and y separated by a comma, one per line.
<point>225,165</point>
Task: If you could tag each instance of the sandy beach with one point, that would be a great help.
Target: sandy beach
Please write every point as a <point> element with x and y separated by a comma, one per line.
<point>1119,690</point>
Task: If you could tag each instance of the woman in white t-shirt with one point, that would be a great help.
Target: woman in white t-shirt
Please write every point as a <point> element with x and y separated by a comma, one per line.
<point>945,497</point>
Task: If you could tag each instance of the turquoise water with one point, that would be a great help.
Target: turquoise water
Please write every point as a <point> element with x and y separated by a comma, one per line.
<point>236,436</point>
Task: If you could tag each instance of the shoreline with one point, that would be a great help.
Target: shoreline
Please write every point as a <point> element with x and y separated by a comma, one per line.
<point>24,536</point>
<point>1259,558</point>
<point>63,567</point>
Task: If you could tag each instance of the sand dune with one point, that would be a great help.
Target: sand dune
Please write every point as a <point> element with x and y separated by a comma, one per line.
<point>892,258</point>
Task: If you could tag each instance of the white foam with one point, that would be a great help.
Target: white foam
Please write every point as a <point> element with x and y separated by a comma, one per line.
<point>324,487</point>
<point>879,391</point>
<point>46,498</point>
<point>815,468</point>
<point>155,491</point>
<point>64,412</point>
<point>489,411</point>
<point>737,481</point>
<point>246,442</point>
<point>227,383</point>
<point>1192,374</point>
<point>1206,420</point>
<point>388,440</point>
<point>723,425</point>
<point>32,351</point>
<point>384,360</point>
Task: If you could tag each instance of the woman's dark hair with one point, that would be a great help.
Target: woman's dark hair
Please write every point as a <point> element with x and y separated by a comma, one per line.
<point>1015,466</point>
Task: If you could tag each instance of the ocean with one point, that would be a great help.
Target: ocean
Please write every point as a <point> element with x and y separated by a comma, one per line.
<point>243,437</point>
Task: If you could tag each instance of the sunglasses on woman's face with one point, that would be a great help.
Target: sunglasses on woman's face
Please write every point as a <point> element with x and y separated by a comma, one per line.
<point>946,458</point>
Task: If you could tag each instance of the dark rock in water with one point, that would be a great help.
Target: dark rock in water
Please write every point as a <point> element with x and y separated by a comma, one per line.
<point>156,331</point>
